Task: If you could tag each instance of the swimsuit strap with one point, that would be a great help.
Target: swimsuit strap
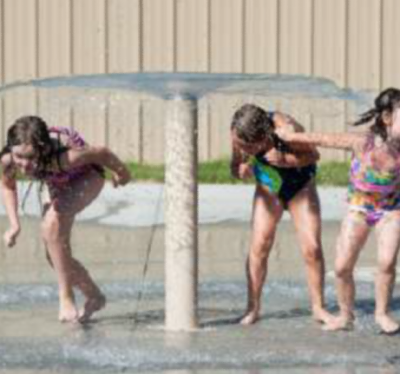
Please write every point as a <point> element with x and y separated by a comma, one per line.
<point>59,151</point>
<point>60,148</point>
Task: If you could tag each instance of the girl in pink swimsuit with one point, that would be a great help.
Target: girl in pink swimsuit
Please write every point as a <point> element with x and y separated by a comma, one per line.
<point>373,201</point>
<point>74,175</point>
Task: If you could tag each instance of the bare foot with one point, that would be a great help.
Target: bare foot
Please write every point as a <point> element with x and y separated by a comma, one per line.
<point>323,316</point>
<point>387,324</point>
<point>249,318</point>
<point>92,305</point>
<point>339,323</point>
<point>68,312</point>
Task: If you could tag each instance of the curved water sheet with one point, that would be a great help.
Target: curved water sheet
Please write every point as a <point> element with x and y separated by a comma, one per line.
<point>318,102</point>
<point>197,85</point>
<point>113,238</point>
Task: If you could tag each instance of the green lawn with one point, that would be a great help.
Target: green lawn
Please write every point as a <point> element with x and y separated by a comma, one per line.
<point>329,173</point>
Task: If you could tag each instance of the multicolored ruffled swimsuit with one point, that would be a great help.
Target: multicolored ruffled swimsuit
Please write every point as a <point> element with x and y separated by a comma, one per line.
<point>284,182</point>
<point>61,178</point>
<point>372,192</point>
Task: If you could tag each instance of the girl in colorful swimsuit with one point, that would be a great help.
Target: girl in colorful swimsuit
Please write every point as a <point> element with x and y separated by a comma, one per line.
<point>285,180</point>
<point>373,201</point>
<point>74,175</point>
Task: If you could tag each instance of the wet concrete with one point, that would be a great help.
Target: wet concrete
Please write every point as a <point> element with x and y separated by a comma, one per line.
<point>128,335</point>
<point>118,253</point>
<point>142,205</point>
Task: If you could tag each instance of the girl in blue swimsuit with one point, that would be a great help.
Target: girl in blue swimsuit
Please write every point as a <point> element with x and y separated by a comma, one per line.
<point>285,180</point>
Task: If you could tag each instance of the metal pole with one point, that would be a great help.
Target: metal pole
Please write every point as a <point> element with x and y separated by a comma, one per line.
<point>181,215</point>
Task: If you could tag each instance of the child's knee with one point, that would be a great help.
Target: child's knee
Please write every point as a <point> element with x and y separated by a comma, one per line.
<point>312,253</point>
<point>343,271</point>
<point>50,230</point>
<point>387,267</point>
<point>260,250</point>
<point>262,243</point>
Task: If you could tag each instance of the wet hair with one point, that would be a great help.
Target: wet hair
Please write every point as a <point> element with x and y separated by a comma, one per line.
<point>386,101</point>
<point>253,124</point>
<point>33,130</point>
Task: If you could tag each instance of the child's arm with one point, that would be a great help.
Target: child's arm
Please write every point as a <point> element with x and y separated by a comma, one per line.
<point>100,156</point>
<point>349,141</point>
<point>298,156</point>
<point>293,159</point>
<point>10,200</point>
<point>240,166</point>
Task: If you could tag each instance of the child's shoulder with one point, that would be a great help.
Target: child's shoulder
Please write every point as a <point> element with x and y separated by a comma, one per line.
<point>68,136</point>
<point>6,160</point>
<point>7,165</point>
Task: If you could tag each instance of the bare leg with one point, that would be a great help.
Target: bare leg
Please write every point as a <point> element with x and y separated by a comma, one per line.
<point>306,215</point>
<point>95,299</point>
<point>267,211</point>
<point>353,234</point>
<point>57,249</point>
<point>388,231</point>
<point>56,229</point>
<point>80,278</point>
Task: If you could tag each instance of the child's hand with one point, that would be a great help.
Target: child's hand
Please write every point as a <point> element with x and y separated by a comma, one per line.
<point>245,171</point>
<point>284,132</point>
<point>275,157</point>
<point>121,178</point>
<point>10,236</point>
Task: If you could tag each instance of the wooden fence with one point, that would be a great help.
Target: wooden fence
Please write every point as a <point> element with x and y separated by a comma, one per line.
<point>351,42</point>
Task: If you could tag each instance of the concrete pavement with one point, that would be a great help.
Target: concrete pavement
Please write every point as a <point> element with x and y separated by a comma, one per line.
<point>141,204</point>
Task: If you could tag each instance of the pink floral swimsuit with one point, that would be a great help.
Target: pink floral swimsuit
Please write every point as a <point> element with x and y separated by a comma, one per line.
<point>61,178</point>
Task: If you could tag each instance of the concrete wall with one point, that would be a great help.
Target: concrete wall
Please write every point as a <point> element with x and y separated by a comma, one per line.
<point>352,42</point>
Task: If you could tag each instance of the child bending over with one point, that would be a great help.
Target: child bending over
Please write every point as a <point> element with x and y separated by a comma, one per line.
<point>74,174</point>
<point>285,180</point>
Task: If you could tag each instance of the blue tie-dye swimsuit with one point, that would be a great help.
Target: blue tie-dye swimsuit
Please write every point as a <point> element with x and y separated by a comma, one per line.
<point>284,182</point>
